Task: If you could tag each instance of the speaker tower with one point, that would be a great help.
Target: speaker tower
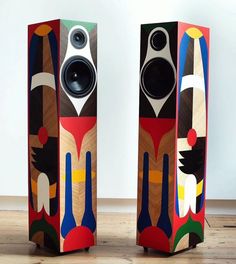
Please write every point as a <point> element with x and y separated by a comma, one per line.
<point>172,135</point>
<point>62,110</point>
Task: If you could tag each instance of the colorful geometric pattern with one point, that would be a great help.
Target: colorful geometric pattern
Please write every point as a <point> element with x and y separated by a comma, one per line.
<point>77,156</point>
<point>62,144</point>
<point>172,144</point>
<point>43,134</point>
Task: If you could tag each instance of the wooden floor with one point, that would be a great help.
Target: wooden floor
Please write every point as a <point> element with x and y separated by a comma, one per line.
<point>116,243</point>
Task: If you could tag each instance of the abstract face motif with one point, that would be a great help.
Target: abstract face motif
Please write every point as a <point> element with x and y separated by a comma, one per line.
<point>191,142</point>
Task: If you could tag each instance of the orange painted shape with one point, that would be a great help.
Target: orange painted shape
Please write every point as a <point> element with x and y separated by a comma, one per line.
<point>42,30</point>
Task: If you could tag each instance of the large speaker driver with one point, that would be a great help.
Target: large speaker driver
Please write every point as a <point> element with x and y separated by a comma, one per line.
<point>78,76</point>
<point>158,78</point>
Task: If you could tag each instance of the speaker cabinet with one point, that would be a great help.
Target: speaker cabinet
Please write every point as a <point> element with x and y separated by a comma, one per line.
<point>62,110</point>
<point>172,135</point>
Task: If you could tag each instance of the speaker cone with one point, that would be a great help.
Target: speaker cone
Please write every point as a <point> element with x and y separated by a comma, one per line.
<point>157,78</point>
<point>158,40</point>
<point>78,38</point>
<point>78,76</point>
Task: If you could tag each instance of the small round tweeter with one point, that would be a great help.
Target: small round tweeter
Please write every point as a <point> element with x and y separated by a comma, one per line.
<point>158,78</point>
<point>78,38</point>
<point>78,76</point>
<point>158,40</point>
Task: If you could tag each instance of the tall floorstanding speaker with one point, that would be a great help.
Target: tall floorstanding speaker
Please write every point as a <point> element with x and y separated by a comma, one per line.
<point>172,136</point>
<point>62,109</point>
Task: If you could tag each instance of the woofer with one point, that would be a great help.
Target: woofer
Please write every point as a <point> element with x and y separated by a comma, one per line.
<point>158,78</point>
<point>78,76</point>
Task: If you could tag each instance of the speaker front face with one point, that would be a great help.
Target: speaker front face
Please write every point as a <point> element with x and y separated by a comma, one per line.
<point>191,135</point>
<point>43,51</point>
<point>157,114</point>
<point>78,111</point>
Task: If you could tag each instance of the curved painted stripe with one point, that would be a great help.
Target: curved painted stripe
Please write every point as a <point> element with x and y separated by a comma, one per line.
<point>204,51</point>
<point>164,221</point>
<point>43,78</point>
<point>144,219</point>
<point>68,222</point>
<point>182,56</point>
<point>192,81</point>
<point>88,218</point>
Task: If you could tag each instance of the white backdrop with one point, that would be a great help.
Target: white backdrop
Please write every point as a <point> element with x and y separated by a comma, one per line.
<point>118,65</point>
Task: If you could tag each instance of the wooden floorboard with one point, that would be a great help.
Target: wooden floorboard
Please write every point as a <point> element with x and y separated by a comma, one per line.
<point>116,243</point>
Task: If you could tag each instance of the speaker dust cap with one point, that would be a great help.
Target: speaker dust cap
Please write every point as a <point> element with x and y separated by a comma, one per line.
<point>78,76</point>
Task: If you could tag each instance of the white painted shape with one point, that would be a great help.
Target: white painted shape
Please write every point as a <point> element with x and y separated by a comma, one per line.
<point>192,81</point>
<point>71,51</point>
<point>43,193</point>
<point>199,112</point>
<point>43,78</point>
<point>190,194</point>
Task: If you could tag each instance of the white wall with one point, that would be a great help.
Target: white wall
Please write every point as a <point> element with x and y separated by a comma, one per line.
<point>118,65</point>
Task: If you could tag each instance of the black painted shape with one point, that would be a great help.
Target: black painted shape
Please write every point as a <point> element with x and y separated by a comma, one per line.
<point>35,56</point>
<point>54,54</point>
<point>35,110</point>
<point>144,219</point>
<point>164,220</point>
<point>88,217</point>
<point>45,159</point>
<point>168,110</point>
<point>199,202</point>
<point>185,112</point>
<point>192,161</point>
<point>67,109</point>
<point>90,106</point>
<point>145,108</point>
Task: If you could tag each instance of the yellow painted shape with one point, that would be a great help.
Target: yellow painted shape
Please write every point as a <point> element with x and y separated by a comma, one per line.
<point>199,188</point>
<point>155,176</point>
<point>194,33</point>
<point>181,192</point>
<point>42,30</point>
<point>78,176</point>
<point>52,189</point>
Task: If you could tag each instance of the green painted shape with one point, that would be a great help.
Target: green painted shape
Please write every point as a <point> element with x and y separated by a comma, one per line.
<point>167,25</point>
<point>43,226</point>
<point>71,23</point>
<point>190,227</point>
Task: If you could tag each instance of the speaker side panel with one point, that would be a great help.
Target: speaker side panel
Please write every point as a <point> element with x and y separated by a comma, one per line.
<point>78,144</point>
<point>43,182</point>
<point>192,94</point>
<point>157,119</point>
